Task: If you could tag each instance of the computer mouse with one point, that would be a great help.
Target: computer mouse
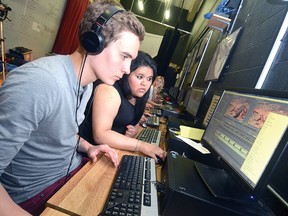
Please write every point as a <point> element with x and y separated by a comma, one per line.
<point>174,130</point>
<point>159,160</point>
<point>144,125</point>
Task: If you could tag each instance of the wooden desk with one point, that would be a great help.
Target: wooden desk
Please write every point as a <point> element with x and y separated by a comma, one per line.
<point>86,192</point>
<point>52,212</point>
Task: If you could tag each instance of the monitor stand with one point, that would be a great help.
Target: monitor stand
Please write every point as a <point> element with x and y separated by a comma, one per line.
<point>222,185</point>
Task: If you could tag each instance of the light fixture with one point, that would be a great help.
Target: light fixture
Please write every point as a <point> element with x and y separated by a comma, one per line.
<point>167,9</point>
<point>167,14</point>
<point>141,5</point>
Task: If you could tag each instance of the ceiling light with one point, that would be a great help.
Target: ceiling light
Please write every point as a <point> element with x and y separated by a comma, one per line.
<point>141,5</point>
<point>167,14</point>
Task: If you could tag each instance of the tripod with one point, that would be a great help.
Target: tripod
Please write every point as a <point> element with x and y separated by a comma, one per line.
<point>3,15</point>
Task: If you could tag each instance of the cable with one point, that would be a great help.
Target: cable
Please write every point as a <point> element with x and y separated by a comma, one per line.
<point>78,87</point>
<point>76,110</point>
<point>104,210</point>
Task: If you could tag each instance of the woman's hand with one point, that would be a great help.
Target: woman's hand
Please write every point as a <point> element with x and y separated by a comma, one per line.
<point>151,150</point>
<point>148,106</point>
<point>131,131</point>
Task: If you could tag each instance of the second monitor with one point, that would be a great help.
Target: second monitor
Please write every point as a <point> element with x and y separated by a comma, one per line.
<point>194,102</point>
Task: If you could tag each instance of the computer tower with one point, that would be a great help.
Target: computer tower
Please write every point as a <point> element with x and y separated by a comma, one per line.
<point>179,147</point>
<point>175,122</point>
<point>170,112</point>
<point>184,193</point>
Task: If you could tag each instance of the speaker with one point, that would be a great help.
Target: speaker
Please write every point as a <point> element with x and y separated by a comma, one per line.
<point>93,41</point>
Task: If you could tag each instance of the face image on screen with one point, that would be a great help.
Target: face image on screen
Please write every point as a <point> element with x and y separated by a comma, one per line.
<point>247,131</point>
<point>195,101</point>
<point>220,56</point>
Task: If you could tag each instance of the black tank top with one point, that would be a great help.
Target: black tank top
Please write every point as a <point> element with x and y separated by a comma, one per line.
<point>124,117</point>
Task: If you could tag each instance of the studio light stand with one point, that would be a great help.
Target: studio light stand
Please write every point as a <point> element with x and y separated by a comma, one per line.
<point>3,15</point>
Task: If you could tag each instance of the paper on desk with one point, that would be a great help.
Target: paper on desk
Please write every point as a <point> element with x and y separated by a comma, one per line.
<point>197,146</point>
<point>190,132</point>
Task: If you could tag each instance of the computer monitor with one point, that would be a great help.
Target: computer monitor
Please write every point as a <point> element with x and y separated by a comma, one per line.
<point>221,55</point>
<point>181,95</point>
<point>187,96</point>
<point>171,91</point>
<point>195,100</point>
<point>247,134</point>
<point>175,93</point>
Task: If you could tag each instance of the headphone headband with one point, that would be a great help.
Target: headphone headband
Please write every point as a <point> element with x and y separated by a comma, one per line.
<point>107,14</point>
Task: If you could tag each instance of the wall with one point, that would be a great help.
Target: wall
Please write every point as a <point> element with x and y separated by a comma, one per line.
<point>34,24</point>
<point>261,22</point>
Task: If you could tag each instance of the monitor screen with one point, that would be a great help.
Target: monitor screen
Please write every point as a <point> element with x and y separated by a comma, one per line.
<point>187,96</point>
<point>195,100</point>
<point>220,56</point>
<point>181,95</point>
<point>175,93</point>
<point>248,135</point>
<point>171,91</point>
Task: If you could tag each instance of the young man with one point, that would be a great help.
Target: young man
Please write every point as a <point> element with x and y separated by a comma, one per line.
<point>42,105</point>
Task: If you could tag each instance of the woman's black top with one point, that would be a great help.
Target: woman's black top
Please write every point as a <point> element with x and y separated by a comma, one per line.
<point>124,117</point>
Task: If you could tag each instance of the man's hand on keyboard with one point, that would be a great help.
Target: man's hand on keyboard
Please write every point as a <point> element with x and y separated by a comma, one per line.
<point>93,151</point>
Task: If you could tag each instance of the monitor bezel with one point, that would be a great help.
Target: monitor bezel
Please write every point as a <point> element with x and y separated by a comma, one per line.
<point>261,185</point>
<point>218,94</point>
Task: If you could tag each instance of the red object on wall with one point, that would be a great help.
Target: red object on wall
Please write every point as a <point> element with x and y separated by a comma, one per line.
<point>66,41</point>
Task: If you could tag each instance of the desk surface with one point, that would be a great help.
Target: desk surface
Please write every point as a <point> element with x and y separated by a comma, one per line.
<point>86,192</point>
<point>53,212</point>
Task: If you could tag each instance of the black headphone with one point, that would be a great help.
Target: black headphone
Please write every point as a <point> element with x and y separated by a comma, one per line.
<point>92,40</point>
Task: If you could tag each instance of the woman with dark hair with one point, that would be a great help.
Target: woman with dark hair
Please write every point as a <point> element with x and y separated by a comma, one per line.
<point>115,111</point>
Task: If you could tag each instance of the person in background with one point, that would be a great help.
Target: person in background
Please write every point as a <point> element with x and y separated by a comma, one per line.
<point>116,110</point>
<point>42,104</point>
<point>155,98</point>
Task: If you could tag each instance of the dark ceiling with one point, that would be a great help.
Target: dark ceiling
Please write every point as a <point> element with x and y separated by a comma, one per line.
<point>154,11</point>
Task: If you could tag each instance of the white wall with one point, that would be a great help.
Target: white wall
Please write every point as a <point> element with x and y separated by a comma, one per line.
<point>34,24</point>
<point>151,43</point>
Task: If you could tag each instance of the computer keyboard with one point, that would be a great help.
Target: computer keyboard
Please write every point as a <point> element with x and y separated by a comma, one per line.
<point>150,135</point>
<point>155,111</point>
<point>153,121</point>
<point>133,191</point>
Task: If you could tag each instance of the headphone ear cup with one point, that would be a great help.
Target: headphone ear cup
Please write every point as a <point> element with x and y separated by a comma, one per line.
<point>92,42</point>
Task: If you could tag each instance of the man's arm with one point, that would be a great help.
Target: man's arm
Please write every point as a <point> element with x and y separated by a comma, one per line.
<point>8,206</point>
